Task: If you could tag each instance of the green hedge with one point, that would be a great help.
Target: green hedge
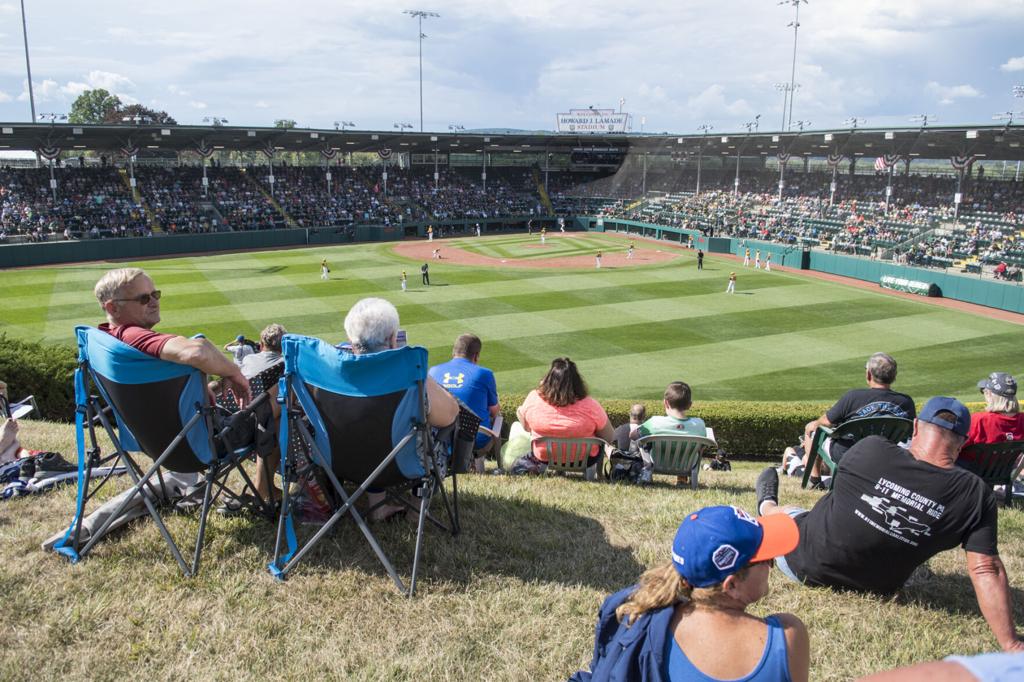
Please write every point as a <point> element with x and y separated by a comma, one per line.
<point>746,428</point>
<point>45,371</point>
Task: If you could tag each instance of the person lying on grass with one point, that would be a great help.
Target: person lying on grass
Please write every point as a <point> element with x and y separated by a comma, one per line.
<point>688,620</point>
<point>892,509</point>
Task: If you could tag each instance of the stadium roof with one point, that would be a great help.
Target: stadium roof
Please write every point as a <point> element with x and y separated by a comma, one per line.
<point>1002,142</point>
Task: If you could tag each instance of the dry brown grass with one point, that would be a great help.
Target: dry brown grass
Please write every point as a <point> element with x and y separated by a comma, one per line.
<point>513,598</point>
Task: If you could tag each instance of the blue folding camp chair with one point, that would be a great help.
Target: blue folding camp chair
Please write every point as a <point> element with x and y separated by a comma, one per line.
<point>160,409</point>
<point>361,419</point>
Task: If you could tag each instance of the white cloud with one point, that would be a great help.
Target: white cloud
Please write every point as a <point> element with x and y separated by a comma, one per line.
<point>8,8</point>
<point>261,105</point>
<point>948,94</point>
<point>46,91</point>
<point>112,82</point>
<point>197,105</point>
<point>4,97</point>
<point>175,90</point>
<point>1013,64</point>
<point>712,102</point>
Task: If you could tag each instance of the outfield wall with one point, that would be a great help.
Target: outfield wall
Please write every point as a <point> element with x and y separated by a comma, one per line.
<point>986,292</point>
<point>52,253</point>
<point>967,288</point>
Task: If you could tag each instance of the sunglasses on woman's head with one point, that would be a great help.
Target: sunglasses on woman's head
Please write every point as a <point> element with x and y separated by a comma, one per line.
<point>143,299</point>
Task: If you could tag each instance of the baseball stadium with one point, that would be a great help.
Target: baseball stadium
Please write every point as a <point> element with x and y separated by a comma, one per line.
<point>394,403</point>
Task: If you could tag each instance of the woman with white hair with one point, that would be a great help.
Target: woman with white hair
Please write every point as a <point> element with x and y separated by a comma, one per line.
<point>1001,420</point>
<point>372,326</point>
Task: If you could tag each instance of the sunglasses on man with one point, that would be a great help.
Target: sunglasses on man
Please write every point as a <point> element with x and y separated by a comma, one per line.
<point>143,299</point>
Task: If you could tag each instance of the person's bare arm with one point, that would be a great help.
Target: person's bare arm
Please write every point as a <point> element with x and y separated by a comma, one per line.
<point>606,432</point>
<point>443,407</point>
<point>798,646</point>
<point>992,590</point>
<point>813,425</point>
<point>521,417</point>
<point>206,357</point>
<point>932,671</point>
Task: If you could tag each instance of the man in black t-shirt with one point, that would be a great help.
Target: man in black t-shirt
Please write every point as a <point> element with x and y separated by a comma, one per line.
<point>893,509</point>
<point>877,400</point>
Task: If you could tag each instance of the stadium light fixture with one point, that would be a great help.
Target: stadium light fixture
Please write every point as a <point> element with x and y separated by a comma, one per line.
<point>792,75</point>
<point>402,127</point>
<point>1018,90</point>
<point>923,119</point>
<point>53,118</point>
<point>803,124</point>
<point>343,124</point>
<point>455,128</point>
<point>853,122</point>
<point>215,121</point>
<point>785,89</point>
<point>421,15</point>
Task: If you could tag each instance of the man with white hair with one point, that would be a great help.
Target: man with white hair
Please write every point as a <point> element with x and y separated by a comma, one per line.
<point>132,306</point>
<point>371,327</point>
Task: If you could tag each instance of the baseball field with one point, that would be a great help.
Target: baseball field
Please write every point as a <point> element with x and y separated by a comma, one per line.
<point>632,325</point>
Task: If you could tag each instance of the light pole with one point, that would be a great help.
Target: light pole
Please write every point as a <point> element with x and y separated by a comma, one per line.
<point>796,27</point>
<point>28,65</point>
<point>700,153</point>
<point>751,125</point>
<point>421,15</point>
<point>53,120</point>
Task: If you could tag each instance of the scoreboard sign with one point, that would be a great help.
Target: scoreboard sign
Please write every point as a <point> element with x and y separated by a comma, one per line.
<point>592,121</point>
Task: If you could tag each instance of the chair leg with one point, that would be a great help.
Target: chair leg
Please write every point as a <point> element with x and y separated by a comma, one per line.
<point>419,539</point>
<point>694,475</point>
<point>204,514</point>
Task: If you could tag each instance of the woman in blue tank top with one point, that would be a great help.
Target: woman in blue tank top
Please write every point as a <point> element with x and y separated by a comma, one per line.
<point>688,620</point>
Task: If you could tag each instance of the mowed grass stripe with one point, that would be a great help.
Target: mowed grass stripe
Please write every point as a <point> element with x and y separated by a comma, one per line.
<point>921,371</point>
<point>193,292</point>
<point>608,334</point>
<point>728,370</point>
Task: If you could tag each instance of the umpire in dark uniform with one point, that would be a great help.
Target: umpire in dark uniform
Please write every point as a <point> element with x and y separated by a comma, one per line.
<point>425,271</point>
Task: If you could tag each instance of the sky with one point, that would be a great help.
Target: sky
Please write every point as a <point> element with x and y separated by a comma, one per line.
<point>516,63</point>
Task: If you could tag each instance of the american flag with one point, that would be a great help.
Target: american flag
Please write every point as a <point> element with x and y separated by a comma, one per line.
<point>880,163</point>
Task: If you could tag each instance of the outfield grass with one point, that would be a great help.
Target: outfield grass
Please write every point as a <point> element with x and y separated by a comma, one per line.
<point>782,337</point>
<point>513,598</point>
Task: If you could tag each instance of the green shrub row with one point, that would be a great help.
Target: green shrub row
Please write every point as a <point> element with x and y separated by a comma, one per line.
<point>43,370</point>
<point>741,427</point>
<point>745,428</point>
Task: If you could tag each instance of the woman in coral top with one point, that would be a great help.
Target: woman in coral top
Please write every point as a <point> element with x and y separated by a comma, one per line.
<point>560,407</point>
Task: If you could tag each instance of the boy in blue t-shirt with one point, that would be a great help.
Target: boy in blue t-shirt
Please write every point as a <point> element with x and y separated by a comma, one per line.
<point>474,385</point>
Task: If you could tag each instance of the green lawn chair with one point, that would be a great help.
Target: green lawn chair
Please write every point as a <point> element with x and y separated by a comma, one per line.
<point>995,463</point>
<point>893,429</point>
<point>678,455</point>
<point>570,454</point>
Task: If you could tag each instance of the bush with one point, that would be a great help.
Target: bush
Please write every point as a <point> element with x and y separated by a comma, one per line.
<point>43,370</point>
<point>746,428</point>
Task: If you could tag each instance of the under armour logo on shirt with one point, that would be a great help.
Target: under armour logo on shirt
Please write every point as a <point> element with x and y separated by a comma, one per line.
<point>449,381</point>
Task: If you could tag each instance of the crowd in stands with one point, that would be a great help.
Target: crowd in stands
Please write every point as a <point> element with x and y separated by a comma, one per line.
<point>916,226</point>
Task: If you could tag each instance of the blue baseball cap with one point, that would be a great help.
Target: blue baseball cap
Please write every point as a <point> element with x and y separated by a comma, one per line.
<point>715,542</point>
<point>240,337</point>
<point>943,404</point>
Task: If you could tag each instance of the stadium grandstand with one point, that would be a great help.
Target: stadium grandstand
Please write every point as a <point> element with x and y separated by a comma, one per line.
<point>941,197</point>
